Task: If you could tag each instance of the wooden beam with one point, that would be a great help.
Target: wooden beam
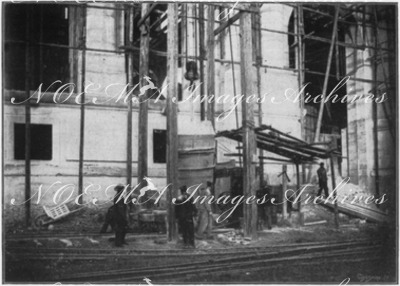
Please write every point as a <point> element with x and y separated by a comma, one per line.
<point>172,122</point>
<point>249,138</point>
<point>129,70</point>
<point>301,214</point>
<point>328,68</point>
<point>300,62</point>
<point>275,159</point>
<point>244,7</point>
<point>227,23</point>
<point>146,14</point>
<point>143,106</point>
<point>258,58</point>
<point>234,87</point>
<point>284,188</point>
<point>28,118</point>
<point>332,159</point>
<point>82,90</point>
<point>375,121</point>
<point>211,65</point>
<point>202,58</point>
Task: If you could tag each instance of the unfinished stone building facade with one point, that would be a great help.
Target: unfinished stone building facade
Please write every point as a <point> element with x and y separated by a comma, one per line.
<point>96,48</point>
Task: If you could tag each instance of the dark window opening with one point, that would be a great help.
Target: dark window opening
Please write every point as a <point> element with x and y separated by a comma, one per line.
<point>316,60</point>
<point>160,146</point>
<point>291,43</point>
<point>48,24</point>
<point>41,141</point>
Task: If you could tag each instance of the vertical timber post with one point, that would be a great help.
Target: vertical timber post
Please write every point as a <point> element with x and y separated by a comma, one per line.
<point>129,80</point>
<point>249,140</point>
<point>300,63</point>
<point>374,113</point>
<point>301,68</point>
<point>211,65</point>
<point>143,104</point>
<point>172,122</point>
<point>332,159</point>
<point>284,187</point>
<point>202,56</point>
<point>301,215</point>
<point>258,55</point>
<point>28,119</point>
<point>82,118</point>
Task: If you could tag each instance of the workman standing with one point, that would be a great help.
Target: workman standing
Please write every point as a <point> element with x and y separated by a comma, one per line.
<point>120,217</point>
<point>185,210</point>
<point>323,180</point>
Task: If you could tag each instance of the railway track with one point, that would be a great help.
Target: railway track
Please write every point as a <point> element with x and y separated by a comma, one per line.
<point>112,252</point>
<point>45,236</point>
<point>235,261</point>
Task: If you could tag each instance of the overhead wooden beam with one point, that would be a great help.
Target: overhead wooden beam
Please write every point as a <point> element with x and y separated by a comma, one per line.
<point>249,138</point>
<point>226,24</point>
<point>143,106</point>
<point>211,65</point>
<point>328,68</point>
<point>276,159</point>
<point>244,7</point>
<point>172,122</point>
<point>146,14</point>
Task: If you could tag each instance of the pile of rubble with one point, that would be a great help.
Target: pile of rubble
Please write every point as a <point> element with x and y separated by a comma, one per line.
<point>235,237</point>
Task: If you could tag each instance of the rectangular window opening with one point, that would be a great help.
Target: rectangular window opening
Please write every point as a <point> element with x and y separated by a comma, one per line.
<point>41,141</point>
<point>159,146</point>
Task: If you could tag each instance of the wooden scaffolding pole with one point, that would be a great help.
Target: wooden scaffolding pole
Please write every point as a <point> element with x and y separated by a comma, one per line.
<point>249,139</point>
<point>258,58</point>
<point>211,64</point>
<point>129,80</point>
<point>375,117</point>
<point>284,188</point>
<point>333,158</point>
<point>301,214</point>
<point>172,122</point>
<point>202,57</point>
<point>300,62</point>
<point>82,90</point>
<point>328,68</point>
<point>143,105</point>
<point>28,119</point>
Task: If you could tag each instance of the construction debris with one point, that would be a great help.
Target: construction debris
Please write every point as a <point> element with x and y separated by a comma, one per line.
<point>315,222</point>
<point>233,237</point>
<point>67,242</point>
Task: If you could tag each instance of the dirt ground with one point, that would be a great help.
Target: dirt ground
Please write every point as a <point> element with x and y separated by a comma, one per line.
<point>81,233</point>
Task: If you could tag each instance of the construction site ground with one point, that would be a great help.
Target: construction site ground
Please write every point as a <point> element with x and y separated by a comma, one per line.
<point>73,248</point>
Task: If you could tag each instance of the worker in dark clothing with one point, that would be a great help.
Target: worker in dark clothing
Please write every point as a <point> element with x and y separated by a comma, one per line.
<point>264,210</point>
<point>109,220</point>
<point>184,213</point>
<point>323,180</point>
<point>119,217</point>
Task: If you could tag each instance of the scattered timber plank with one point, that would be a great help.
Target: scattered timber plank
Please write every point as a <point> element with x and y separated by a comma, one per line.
<point>358,211</point>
